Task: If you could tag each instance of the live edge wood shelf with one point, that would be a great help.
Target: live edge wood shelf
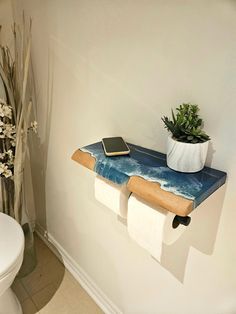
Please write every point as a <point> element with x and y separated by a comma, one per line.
<point>146,174</point>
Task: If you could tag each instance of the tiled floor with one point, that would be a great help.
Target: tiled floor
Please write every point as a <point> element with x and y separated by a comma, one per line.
<point>51,289</point>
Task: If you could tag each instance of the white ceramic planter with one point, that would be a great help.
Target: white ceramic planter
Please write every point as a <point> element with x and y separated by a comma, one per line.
<point>186,157</point>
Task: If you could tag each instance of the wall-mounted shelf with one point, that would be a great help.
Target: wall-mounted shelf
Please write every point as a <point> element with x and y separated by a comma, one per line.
<point>146,174</point>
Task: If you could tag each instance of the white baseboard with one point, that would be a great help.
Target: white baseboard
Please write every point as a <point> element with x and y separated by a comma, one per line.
<point>78,273</point>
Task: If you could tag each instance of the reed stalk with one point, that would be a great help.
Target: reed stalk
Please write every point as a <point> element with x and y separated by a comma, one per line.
<point>14,73</point>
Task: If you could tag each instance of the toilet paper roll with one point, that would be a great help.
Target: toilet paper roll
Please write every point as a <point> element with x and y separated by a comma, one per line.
<point>113,196</point>
<point>150,226</point>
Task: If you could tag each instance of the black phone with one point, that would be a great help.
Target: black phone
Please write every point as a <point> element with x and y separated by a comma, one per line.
<point>115,146</point>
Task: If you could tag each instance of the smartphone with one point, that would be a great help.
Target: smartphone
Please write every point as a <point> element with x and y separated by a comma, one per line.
<point>115,146</point>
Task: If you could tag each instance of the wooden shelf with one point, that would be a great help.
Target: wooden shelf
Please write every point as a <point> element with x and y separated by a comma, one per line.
<point>146,174</point>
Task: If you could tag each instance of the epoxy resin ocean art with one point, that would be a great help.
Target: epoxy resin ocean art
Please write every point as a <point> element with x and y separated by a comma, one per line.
<point>151,166</point>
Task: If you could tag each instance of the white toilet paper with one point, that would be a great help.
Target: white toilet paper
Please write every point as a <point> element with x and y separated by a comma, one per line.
<point>113,196</point>
<point>151,226</point>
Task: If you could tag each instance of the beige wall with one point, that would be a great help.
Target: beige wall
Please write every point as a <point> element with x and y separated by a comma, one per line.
<point>6,22</point>
<point>114,68</point>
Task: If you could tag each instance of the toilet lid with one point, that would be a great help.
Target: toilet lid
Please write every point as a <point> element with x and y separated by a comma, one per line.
<point>11,243</point>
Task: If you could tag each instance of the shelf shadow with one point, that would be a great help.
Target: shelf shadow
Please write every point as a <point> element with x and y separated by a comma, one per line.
<point>200,234</point>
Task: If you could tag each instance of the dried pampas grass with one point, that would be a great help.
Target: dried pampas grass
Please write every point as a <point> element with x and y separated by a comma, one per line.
<point>14,72</point>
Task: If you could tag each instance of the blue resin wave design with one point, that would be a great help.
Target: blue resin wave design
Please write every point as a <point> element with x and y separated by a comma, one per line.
<point>151,165</point>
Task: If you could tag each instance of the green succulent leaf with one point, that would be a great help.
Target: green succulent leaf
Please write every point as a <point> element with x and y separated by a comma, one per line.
<point>186,125</point>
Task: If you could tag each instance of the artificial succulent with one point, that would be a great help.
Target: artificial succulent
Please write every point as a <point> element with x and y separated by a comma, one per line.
<point>186,126</point>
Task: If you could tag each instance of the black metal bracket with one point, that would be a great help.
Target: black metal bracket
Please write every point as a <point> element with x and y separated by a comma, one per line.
<point>181,220</point>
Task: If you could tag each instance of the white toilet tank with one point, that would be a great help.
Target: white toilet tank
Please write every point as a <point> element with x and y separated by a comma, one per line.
<point>11,257</point>
<point>11,250</point>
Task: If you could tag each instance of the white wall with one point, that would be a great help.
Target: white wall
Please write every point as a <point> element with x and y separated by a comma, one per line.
<point>115,67</point>
<point>6,22</point>
<point>5,19</point>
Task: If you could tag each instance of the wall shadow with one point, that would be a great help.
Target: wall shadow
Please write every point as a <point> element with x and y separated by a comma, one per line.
<point>39,151</point>
<point>200,234</point>
<point>210,154</point>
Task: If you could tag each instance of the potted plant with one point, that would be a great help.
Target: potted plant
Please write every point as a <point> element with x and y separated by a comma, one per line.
<point>188,144</point>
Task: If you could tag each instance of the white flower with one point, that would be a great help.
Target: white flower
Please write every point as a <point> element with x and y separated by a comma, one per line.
<point>9,130</point>
<point>8,173</point>
<point>10,156</point>
<point>7,111</point>
<point>34,126</point>
<point>3,168</point>
<point>9,153</point>
<point>5,171</point>
<point>13,142</point>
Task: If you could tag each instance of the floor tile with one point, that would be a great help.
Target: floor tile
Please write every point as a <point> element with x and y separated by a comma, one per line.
<point>51,289</point>
<point>44,296</point>
<point>28,307</point>
<point>44,254</point>
<point>19,290</point>
<point>42,276</point>
<point>77,297</point>
<point>57,305</point>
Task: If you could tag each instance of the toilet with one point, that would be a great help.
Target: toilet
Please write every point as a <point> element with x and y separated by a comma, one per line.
<point>11,257</point>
